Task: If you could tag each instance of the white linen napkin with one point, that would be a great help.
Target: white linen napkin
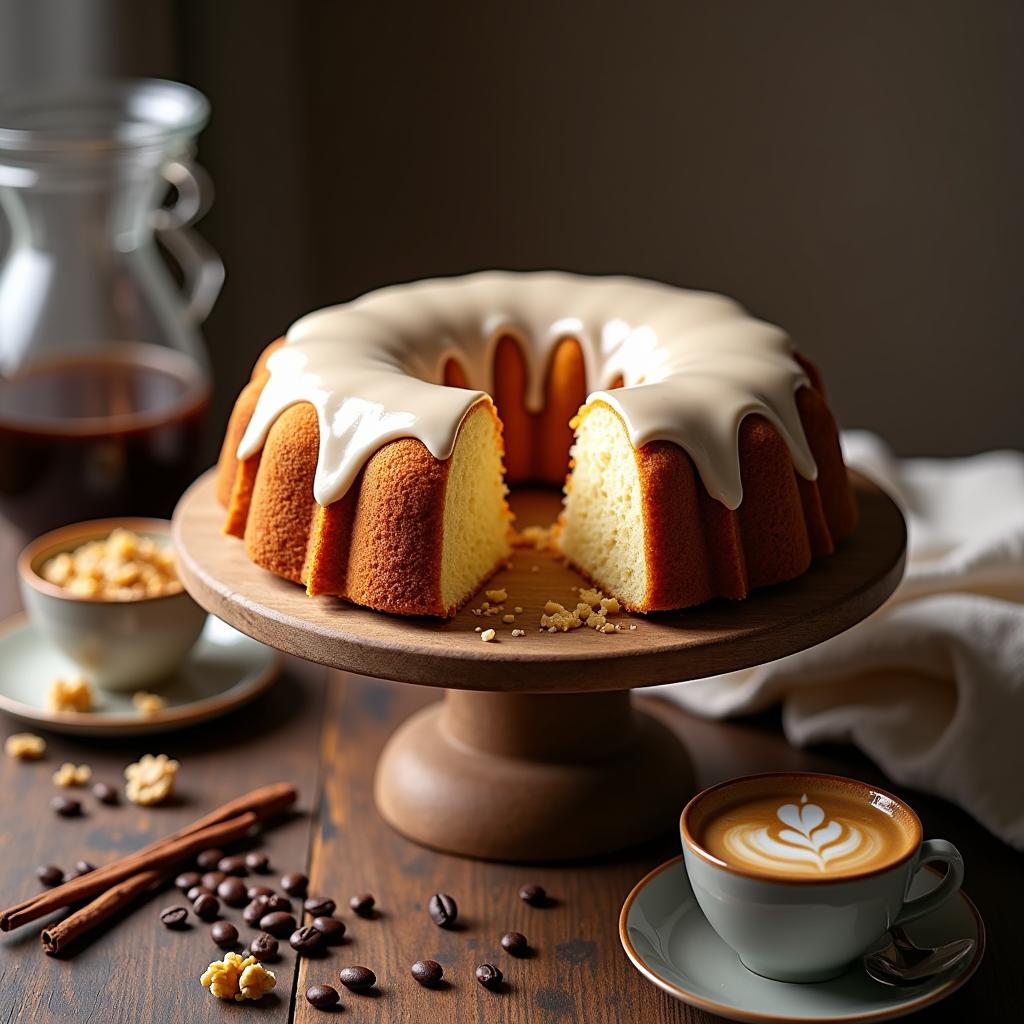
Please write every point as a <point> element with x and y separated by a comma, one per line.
<point>932,685</point>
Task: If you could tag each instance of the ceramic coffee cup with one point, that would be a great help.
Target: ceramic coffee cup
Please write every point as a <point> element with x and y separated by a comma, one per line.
<point>802,873</point>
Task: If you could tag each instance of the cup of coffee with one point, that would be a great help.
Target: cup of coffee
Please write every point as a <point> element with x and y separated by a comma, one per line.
<point>802,873</point>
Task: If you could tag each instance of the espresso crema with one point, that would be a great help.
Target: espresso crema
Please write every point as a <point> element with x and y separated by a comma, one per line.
<point>810,834</point>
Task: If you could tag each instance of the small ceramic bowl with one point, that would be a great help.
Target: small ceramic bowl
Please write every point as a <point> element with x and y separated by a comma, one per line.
<point>118,645</point>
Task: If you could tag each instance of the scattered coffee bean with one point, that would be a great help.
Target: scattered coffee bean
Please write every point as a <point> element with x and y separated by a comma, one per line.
<point>255,911</point>
<point>330,928</point>
<point>264,947</point>
<point>208,859</point>
<point>67,806</point>
<point>196,891</point>
<point>534,895</point>
<point>83,867</point>
<point>232,891</point>
<point>186,880</point>
<point>359,979</point>
<point>258,890</point>
<point>427,972</point>
<point>257,861</point>
<point>489,976</point>
<point>49,874</point>
<point>442,909</point>
<point>278,924</point>
<point>319,905</point>
<point>206,907</point>
<point>307,940</point>
<point>515,943</point>
<point>323,997</point>
<point>362,904</point>
<point>224,934</point>
<point>233,865</point>
<point>105,793</point>
<point>276,902</point>
<point>295,883</point>
<point>173,917</point>
<point>211,879</point>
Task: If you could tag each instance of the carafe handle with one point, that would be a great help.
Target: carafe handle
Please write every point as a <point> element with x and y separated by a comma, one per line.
<point>202,267</point>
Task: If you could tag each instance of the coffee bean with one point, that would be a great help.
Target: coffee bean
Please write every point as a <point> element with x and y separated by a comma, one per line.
<point>534,895</point>
<point>515,943</point>
<point>255,911</point>
<point>49,874</point>
<point>307,940</point>
<point>362,904</point>
<point>323,997</point>
<point>276,902</point>
<point>173,917</point>
<point>295,883</point>
<point>232,891</point>
<point>211,879</point>
<point>258,890</point>
<point>264,947</point>
<point>427,972</point>
<point>83,867</point>
<point>359,979</point>
<point>330,928</point>
<point>206,907</point>
<point>257,861</point>
<point>186,880</point>
<point>234,865</point>
<point>208,859</point>
<point>278,923</point>
<point>224,934</point>
<point>196,891</point>
<point>442,910</point>
<point>318,905</point>
<point>67,806</point>
<point>489,976</point>
<point>105,793</point>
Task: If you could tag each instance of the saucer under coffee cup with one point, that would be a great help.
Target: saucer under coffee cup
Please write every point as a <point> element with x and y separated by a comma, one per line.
<point>801,873</point>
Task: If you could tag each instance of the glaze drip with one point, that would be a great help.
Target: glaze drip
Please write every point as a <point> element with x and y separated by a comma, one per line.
<point>694,364</point>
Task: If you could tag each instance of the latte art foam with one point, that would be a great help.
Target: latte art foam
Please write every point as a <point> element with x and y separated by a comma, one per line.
<point>778,849</point>
<point>804,837</point>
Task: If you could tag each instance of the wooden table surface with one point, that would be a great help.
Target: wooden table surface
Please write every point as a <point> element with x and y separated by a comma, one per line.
<point>322,731</point>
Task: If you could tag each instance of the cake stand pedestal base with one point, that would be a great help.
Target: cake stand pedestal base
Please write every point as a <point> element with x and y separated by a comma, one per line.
<point>538,777</point>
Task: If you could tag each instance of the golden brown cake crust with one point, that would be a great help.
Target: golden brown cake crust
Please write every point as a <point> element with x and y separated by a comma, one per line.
<point>381,544</point>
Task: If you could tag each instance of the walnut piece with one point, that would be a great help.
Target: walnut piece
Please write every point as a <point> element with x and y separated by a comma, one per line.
<point>69,774</point>
<point>148,703</point>
<point>120,567</point>
<point>74,694</point>
<point>238,979</point>
<point>150,779</point>
<point>24,746</point>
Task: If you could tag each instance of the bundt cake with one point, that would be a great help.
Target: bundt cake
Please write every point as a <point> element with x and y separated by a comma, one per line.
<point>368,455</point>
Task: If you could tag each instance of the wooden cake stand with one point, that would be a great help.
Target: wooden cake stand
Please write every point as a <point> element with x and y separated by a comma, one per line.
<point>537,751</point>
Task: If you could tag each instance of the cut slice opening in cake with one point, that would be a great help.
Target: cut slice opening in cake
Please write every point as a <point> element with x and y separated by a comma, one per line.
<point>476,519</point>
<point>602,527</point>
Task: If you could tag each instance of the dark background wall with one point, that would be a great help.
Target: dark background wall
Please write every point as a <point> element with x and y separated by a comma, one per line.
<point>849,169</point>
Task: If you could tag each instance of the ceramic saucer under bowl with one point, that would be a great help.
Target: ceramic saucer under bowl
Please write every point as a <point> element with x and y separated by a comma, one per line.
<point>224,670</point>
<point>670,942</point>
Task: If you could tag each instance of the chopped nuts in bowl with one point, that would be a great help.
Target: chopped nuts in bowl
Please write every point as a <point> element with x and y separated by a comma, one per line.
<point>107,594</point>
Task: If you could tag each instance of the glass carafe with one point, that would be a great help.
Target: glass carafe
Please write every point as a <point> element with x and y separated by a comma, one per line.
<point>104,377</point>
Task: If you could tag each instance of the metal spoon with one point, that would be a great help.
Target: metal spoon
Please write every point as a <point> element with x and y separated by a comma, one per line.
<point>902,963</point>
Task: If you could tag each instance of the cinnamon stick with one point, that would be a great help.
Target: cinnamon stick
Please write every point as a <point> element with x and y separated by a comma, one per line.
<point>225,824</point>
<point>85,919</point>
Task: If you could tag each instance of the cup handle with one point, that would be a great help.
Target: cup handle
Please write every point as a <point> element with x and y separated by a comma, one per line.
<point>202,267</point>
<point>934,851</point>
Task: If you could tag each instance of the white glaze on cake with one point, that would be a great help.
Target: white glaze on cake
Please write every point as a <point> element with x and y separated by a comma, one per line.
<point>694,364</point>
